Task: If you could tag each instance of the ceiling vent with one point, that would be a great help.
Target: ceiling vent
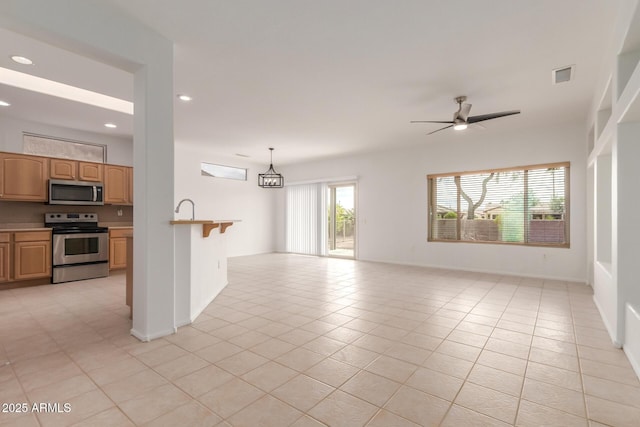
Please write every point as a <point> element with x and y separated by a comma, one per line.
<point>562,75</point>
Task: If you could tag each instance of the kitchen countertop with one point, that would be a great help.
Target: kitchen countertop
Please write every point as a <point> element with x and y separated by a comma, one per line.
<point>114,227</point>
<point>21,227</point>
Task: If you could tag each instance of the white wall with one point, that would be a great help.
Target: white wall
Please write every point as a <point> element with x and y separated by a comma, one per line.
<point>392,200</point>
<point>227,199</point>
<point>119,150</point>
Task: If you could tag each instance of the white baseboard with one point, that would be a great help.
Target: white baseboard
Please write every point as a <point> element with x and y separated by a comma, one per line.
<point>605,321</point>
<point>148,337</point>
<point>632,337</point>
<point>477,270</point>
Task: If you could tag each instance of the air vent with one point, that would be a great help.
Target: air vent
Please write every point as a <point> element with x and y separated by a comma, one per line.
<point>562,75</point>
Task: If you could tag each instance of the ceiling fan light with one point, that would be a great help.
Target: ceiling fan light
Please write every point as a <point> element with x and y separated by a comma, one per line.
<point>460,126</point>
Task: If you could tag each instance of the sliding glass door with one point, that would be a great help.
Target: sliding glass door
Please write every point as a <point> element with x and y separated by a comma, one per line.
<point>341,220</point>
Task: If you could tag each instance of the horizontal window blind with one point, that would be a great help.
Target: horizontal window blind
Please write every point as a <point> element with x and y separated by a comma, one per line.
<point>524,205</point>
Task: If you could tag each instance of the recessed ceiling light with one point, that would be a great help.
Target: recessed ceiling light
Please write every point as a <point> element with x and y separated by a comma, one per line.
<point>4,103</point>
<point>184,98</point>
<point>110,125</point>
<point>21,60</point>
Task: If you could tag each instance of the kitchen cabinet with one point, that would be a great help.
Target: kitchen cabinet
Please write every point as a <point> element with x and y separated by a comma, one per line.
<point>25,255</point>
<point>130,182</point>
<point>32,255</point>
<point>74,170</point>
<point>116,185</point>
<point>118,247</point>
<point>5,239</point>
<point>63,169</point>
<point>23,177</point>
<point>88,171</point>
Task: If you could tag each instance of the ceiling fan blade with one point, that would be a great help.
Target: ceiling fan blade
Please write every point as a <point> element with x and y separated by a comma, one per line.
<point>429,121</point>
<point>464,111</point>
<point>483,117</point>
<point>438,130</point>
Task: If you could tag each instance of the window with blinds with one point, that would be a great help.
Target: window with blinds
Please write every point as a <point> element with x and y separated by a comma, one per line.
<point>306,219</point>
<point>527,205</point>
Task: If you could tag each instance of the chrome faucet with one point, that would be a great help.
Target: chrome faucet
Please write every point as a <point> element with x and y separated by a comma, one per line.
<point>193,208</point>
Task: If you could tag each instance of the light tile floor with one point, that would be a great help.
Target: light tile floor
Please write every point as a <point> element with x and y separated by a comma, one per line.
<point>307,341</point>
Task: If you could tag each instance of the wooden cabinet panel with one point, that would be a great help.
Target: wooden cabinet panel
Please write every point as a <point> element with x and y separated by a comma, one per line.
<point>115,185</point>
<point>130,182</point>
<point>74,170</point>
<point>4,262</point>
<point>32,260</point>
<point>117,253</point>
<point>120,232</point>
<point>63,169</point>
<point>32,236</point>
<point>118,247</point>
<point>23,177</point>
<point>90,171</point>
<point>25,255</point>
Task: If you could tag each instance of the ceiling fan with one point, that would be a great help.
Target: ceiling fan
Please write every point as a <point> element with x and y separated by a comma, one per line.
<point>461,118</point>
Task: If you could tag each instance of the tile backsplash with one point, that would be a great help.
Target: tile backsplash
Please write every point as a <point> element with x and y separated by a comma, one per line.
<point>32,214</point>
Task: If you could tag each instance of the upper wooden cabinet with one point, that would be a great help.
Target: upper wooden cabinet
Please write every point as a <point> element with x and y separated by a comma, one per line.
<point>88,171</point>
<point>23,177</point>
<point>63,169</point>
<point>116,185</point>
<point>130,181</point>
<point>80,171</point>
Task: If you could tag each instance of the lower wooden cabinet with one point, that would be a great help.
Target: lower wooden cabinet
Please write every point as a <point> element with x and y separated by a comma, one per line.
<point>118,248</point>
<point>25,255</point>
<point>4,257</point>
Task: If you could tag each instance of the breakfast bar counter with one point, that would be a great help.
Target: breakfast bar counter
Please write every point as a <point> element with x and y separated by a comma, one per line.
<point>200,265</point>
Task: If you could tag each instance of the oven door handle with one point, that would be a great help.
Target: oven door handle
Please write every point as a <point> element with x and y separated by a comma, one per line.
<point>95,193</point>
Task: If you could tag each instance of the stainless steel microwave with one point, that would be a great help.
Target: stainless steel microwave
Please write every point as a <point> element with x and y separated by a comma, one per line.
<point>63,192</point>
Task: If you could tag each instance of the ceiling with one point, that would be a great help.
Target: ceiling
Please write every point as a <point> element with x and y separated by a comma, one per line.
<point>327,78</point>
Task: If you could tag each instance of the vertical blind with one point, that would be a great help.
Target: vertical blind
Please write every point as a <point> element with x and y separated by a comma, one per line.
<point>524,205</point>
<point>306,218</point>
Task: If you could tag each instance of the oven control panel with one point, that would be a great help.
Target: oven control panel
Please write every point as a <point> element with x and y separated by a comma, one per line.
<point>70,217</point>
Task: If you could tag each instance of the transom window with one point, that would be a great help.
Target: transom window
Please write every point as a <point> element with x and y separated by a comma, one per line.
<point>526,205</point>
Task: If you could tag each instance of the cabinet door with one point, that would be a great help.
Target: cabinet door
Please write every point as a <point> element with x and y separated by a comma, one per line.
<point>90,171</point>
<point>117,253</point>
<point>130,182</point>
<point>63,169</point>
<point>115,184</point>
<point>23,177</point>
<point>4,262</point>
<point>32,260</point>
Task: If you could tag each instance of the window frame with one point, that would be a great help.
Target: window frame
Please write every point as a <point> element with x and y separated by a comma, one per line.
<point>223,167</point>
<point>431,203</point>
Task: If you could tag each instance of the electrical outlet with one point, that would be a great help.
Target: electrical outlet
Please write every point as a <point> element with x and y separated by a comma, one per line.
<point>119,212</point>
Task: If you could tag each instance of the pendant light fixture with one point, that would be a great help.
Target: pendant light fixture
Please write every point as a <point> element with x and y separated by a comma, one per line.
<point>271,178</point>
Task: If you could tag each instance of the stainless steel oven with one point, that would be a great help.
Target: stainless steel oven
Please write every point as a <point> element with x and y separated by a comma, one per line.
<point>80,246</point>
